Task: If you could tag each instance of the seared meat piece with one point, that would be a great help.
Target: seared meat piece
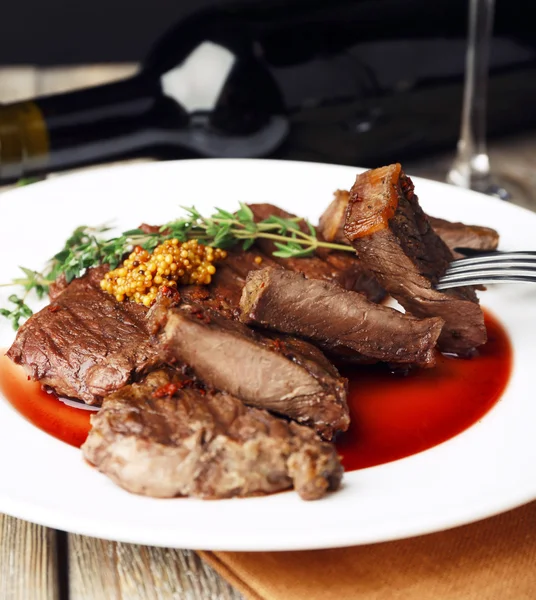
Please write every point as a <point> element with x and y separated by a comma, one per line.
<point>458,235</point>
<point>244,261</point>
<point>85,344</point>
<point>164,439</point>
<point>455,235</point>
<point>332,221</point>
<point>395,241</point>
<point>146,228</point>
<point>284,375</point>
<point>339,267</point>
<point>222,295</point>
<point>360,280</point>
<point>60,285</point>
<point>336,319</point>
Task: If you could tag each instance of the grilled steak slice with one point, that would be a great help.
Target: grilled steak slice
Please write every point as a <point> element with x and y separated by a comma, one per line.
<point>360,280</point>
<point>459,235</point>
<point>342,268</point>
<point>85,344</point>
<point>160,440</point>
<point>395,241</point>
<point>455,235</point>
<point>332,221</point>
<point>244,261</point>
<point>336,319</point>
<point>285,375</point>
<point>222,295</point>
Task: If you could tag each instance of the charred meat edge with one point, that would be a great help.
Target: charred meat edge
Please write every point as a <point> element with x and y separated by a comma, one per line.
<point>396,242</point>
<point>454,234</point>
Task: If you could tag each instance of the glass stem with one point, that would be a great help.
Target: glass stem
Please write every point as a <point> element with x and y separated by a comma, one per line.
<point>471,167</point>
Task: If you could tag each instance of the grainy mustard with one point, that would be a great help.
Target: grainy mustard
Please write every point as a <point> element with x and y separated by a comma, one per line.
<point>171,263</point>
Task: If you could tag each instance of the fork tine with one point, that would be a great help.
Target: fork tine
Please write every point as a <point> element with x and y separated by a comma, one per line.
<point>455,268</point>
<point>494,257</point>
<point>474,279</point>
<point>491,267</point>
<point>497,272</point>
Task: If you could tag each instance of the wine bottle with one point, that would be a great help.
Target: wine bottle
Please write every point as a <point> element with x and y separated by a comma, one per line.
<point>345,81</point>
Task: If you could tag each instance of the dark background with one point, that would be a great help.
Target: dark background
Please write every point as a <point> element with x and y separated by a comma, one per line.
<point>63,32</point>
<point>48,32</point>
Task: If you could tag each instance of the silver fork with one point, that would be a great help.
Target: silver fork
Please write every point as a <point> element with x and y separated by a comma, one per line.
<point>489,268</point>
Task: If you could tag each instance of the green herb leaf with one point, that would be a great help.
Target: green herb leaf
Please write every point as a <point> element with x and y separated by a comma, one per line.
<point>245,214</point>
<point>20,311</point>
<point>131,232</point>
<point>86,246</point>
<point>223,214</point>
<point>312,230</point>
<point>27,181</point>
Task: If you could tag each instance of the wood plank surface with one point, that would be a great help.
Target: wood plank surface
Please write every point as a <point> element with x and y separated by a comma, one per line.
<point>28,561</point>
<point>100,569</point>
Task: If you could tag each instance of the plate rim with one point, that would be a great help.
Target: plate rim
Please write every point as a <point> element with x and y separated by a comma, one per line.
<point>90,527</point>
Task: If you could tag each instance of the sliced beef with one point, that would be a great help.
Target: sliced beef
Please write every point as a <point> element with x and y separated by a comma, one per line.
<point>455,235</point>
<point>359,279</point>
<point>85,344</point>
<point>336,319</point>
<point>60,285</point>
<point>396,242</point>
<point>222,295</point>
<point>163,438</point>
<point>244,261</point>
<point>339,267</point>
<point>459,235</point>
<point>146,228</point>
<point>285,375</point>
<point>332,221</point>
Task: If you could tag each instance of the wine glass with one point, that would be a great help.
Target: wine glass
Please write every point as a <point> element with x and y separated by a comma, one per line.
<point>471,167</point>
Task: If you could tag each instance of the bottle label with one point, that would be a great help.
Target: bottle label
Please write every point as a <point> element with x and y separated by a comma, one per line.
<point>24,141</point>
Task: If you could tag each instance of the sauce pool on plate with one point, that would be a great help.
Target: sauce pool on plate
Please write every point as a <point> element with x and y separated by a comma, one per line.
<point>393,416</point>
<point>69,424</point>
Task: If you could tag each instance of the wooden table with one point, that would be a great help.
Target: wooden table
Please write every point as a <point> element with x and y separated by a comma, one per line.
<point>37,563</point>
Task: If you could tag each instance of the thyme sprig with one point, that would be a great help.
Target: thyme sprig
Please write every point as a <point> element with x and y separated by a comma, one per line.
<point>224,229</point>
<point>86,247</point>
<point>19,311</point>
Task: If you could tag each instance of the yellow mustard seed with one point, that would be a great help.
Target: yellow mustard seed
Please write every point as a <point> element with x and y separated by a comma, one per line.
<point>170,264</point>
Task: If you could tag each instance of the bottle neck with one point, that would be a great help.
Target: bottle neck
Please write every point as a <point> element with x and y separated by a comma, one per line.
<point>82,127</point>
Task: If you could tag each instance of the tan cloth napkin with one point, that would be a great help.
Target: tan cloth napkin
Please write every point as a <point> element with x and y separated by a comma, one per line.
<point>494,559</point>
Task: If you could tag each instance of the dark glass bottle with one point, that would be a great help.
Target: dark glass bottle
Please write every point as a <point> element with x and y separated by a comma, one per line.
<point>345,81</point>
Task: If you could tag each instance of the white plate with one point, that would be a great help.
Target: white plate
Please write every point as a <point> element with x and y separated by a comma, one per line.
<point>487,469</point>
